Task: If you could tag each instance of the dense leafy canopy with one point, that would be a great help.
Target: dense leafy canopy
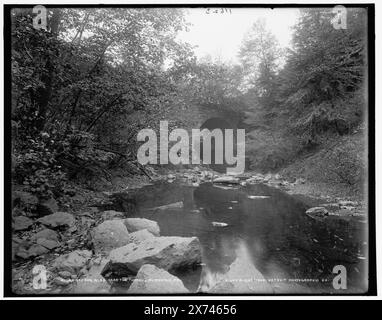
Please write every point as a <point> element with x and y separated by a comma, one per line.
<point>83,88</point>
<point>88,83</point>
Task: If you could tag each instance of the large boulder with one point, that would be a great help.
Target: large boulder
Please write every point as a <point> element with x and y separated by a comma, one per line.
<point>58,219</point>
<point>72,262</point>
<point>242,277</point>
<point>136,224</point>
<point>153,280</point>
<point>22,223</point>
<point>168,253</point>
<point>108,235</point>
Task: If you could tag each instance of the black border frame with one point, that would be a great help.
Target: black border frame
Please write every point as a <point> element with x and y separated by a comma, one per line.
<point>7,245</point>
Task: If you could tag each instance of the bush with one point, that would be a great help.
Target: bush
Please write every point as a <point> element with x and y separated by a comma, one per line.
<point>345,163</point>
<point>37,169</point>
<point>266,152</point>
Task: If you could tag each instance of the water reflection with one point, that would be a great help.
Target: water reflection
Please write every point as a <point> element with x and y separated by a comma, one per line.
<point>273,234</point>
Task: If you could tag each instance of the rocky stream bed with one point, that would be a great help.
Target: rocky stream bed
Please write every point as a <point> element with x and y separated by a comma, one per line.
<point>191,231</point>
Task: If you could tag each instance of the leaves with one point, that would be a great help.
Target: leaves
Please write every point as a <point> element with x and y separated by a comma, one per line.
<point>89,82</point>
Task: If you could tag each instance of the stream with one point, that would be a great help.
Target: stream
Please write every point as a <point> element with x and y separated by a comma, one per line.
<point>293,251</point>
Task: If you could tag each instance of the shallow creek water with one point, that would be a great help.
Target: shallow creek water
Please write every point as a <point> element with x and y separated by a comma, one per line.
<point>265,226</point>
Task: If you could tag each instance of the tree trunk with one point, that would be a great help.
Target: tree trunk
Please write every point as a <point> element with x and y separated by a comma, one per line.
<point>44,94</point>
